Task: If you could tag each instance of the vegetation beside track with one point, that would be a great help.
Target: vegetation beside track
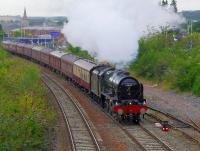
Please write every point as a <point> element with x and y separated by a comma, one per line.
<point>25,117</point>
<point>175,64</point>
<point>79,52</point>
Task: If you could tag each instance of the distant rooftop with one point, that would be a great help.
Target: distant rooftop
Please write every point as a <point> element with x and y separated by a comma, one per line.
<point>39,28</point>
<point>10,18</point>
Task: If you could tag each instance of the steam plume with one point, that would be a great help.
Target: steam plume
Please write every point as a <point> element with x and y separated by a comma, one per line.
<point>112,28</point>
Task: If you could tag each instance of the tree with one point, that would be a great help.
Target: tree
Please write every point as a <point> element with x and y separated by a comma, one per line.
<point>196,26</point>
<point>1,28</point>
<point>17,34</point>
<point>174,6</point>
<point>1,32</point>
<point>21,33</point>
<point>60,23</point>
<point>164,3</point>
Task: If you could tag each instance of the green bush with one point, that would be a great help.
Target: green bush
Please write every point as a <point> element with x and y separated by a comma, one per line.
<point>25,116</point>
<point>176,63</point>
<point>79,52</point>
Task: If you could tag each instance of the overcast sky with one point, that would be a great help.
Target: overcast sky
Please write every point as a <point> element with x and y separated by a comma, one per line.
<point>58,7</point>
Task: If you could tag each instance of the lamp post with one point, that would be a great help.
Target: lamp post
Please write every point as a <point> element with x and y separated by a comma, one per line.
<point>21,30</point>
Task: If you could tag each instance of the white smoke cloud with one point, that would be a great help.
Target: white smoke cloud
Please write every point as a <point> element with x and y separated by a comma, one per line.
<point>112,28</point>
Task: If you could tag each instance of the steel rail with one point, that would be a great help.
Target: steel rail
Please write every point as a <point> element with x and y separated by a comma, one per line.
<point>74,101</point>
<point>169,116</point>
<point>163,146</point>
<point>64,115</point>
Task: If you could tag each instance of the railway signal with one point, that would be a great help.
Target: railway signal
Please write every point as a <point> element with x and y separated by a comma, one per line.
<point>165,126</point>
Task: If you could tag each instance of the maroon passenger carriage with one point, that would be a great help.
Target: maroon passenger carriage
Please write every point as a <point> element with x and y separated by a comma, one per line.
<point>13,47</point>
<point>81,72</point>
<point>45,56</point>
<point>28,51</point>
<point>6,45</point>
<point>67,62</point>
<point>36,53</point>
<point>55,60</point>
<point>20,48</point>
<point>10,46</point>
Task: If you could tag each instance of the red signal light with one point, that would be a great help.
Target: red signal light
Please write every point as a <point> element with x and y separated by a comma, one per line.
<point>165,129</point>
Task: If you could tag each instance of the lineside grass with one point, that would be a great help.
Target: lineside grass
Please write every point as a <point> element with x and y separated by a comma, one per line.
<point>25,117</point>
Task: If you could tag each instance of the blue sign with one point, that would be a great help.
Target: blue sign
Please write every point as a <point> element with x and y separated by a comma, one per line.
<point>55,34</point>
<point>28,40</point>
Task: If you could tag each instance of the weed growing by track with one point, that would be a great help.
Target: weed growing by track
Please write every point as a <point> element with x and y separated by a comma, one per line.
<point>25,117</point>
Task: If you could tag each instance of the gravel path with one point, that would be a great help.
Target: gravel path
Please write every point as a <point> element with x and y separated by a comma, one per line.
<point>183,106</point>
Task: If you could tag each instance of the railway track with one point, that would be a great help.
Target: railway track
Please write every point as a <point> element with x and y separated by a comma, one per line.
<point>81,134</point>
<point>173,121</point>
<point>195,124</point>
<point>140,135</point>
<point>190,131</point>
<point>145,139</point>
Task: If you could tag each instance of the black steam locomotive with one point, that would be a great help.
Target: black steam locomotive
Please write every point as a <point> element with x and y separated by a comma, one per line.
<point>118,92</point>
